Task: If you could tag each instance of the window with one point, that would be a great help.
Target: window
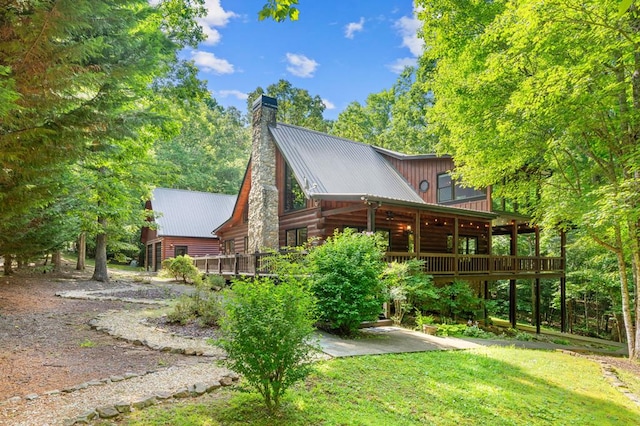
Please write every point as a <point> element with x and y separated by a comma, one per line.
<point>228,247</point>
<point>448,190</point>
<point>246,244</point>
<point>245,213</point>
<point>179,251</point>
<point>296,237</point>
<point>466,244</point>
<point>294,198</point>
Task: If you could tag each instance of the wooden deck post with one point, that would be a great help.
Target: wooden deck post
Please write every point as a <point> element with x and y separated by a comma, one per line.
<point>512,303</point>
<point>256,266</point>
<point>537,306</point>
<point>455,246</point>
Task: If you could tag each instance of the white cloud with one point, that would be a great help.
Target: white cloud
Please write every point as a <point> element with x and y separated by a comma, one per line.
<point>353,27</point>
<point>408,29</point>
<point>300,65</point>
<point>216,17</point>
<point>328,104</point>
<point>231,93</point>
<point>400,64</point>
<point>207,61</point>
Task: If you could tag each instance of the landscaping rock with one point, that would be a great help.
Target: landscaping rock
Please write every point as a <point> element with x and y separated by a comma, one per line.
<point>107,412</point>
<point>182,393</point>
<point>144,402</point>
<point>226,381</point>
<point>123,407</point>
<point>213,386</point>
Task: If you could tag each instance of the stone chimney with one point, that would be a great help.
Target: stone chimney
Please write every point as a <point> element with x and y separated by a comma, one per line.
<point>263,197</point>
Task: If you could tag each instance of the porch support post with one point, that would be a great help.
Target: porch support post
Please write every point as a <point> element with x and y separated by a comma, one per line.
<point>416,235</point>
<point>512,303</point>
<point>512,283</point>
<point>486,297</point>
<point>455,246</point>
<point>563,283</point>
<point>537,305</point>
<point>371,218</point>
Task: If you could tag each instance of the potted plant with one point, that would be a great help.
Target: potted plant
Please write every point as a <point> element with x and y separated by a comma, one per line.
<point>426,323</point>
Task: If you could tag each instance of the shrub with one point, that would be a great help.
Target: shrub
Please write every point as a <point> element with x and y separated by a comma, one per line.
<point>203,305</point>
<point>182,267</point>
<point>265,332</point>
<point>408,287</point>
<point>346,279</point>
<point>457,299</point>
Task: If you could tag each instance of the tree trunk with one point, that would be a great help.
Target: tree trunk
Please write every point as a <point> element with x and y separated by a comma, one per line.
<point>626,305</point>
<point>100,272</point>
<point>56,261</point>
<point>82,251</point>
<point>8,264</point>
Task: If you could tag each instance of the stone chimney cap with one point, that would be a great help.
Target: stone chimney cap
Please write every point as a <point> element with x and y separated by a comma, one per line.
<point>266,101</point>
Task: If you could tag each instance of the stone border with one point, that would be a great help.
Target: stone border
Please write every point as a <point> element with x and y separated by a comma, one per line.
<point>123,407</point>
<point>610,374</point>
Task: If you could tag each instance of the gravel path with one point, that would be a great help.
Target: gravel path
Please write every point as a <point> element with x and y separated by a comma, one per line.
<point>107,397</point>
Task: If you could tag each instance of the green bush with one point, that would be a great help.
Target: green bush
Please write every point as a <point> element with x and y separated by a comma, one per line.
<point>202,305</point>
<point>346,279</point>
<point>408,287</point>
<point>182,267</point>
<point>457,300</point>
<point>265,332</point>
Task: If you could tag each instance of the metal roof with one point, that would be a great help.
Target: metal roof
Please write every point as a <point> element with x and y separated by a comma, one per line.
<point>184,213</point>
<point>325,164</point>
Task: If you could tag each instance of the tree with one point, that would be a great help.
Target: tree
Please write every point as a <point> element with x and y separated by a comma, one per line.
<point>295,106</point>
<point>75,75</point>
<point>266,331</point>
<point>544,99</point>
<point>208,154</point>
<point>347,279</point>
<point>393,118</point>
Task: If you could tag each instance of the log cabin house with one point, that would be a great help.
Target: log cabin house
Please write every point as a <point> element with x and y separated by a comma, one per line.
<point>302,184</point>
<point>183,223</point>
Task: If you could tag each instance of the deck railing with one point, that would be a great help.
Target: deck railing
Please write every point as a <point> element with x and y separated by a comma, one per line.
<point>439,264</point>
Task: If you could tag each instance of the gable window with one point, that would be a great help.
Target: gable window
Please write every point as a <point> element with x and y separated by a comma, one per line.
<point>448,190</point>
<point>296,237</point>
<point>294,198</point>
<point>179,251</point>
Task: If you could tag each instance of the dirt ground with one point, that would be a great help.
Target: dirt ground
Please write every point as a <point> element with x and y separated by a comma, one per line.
<point>46,342</point>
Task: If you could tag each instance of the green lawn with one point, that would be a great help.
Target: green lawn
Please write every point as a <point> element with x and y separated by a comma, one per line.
<point>488,386</point>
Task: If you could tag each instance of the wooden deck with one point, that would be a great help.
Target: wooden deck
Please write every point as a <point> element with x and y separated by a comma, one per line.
<point>442,266</point>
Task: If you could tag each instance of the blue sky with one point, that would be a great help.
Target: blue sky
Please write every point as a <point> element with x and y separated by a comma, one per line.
<point>341,50</point>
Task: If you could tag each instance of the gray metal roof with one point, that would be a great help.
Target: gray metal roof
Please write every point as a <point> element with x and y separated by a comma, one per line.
<point>184,213</point>
<point>331,167</point>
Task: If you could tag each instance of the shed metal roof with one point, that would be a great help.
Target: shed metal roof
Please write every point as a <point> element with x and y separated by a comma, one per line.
<point>328,165</point>
<point>184,213</point>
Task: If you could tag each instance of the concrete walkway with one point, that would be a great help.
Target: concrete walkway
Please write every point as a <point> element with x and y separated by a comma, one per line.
<point>388,340</point>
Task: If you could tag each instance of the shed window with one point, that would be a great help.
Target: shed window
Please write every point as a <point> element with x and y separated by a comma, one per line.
<point>180,251</point>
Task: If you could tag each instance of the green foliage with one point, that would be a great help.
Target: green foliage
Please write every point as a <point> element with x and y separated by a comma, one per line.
<point>457,300</point>
<point>203,305</point>
<point>526,97</point>
<point>265,332</point>
<point>181,267</point>
<point>347,282</point>
<point>423,320</point>
<point>394,118</point>
<point>279,10</point>
<point>295,106</point>
<point>408,287</point>
<point>445,330</point>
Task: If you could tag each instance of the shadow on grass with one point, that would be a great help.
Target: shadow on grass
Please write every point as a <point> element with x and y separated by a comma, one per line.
<point>486,386</point>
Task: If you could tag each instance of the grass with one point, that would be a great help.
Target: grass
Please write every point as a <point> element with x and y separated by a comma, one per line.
<point>487,386</point>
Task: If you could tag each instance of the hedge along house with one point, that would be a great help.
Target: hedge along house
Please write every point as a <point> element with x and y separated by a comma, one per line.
<point>302,184</point>
<point>183,224</point>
